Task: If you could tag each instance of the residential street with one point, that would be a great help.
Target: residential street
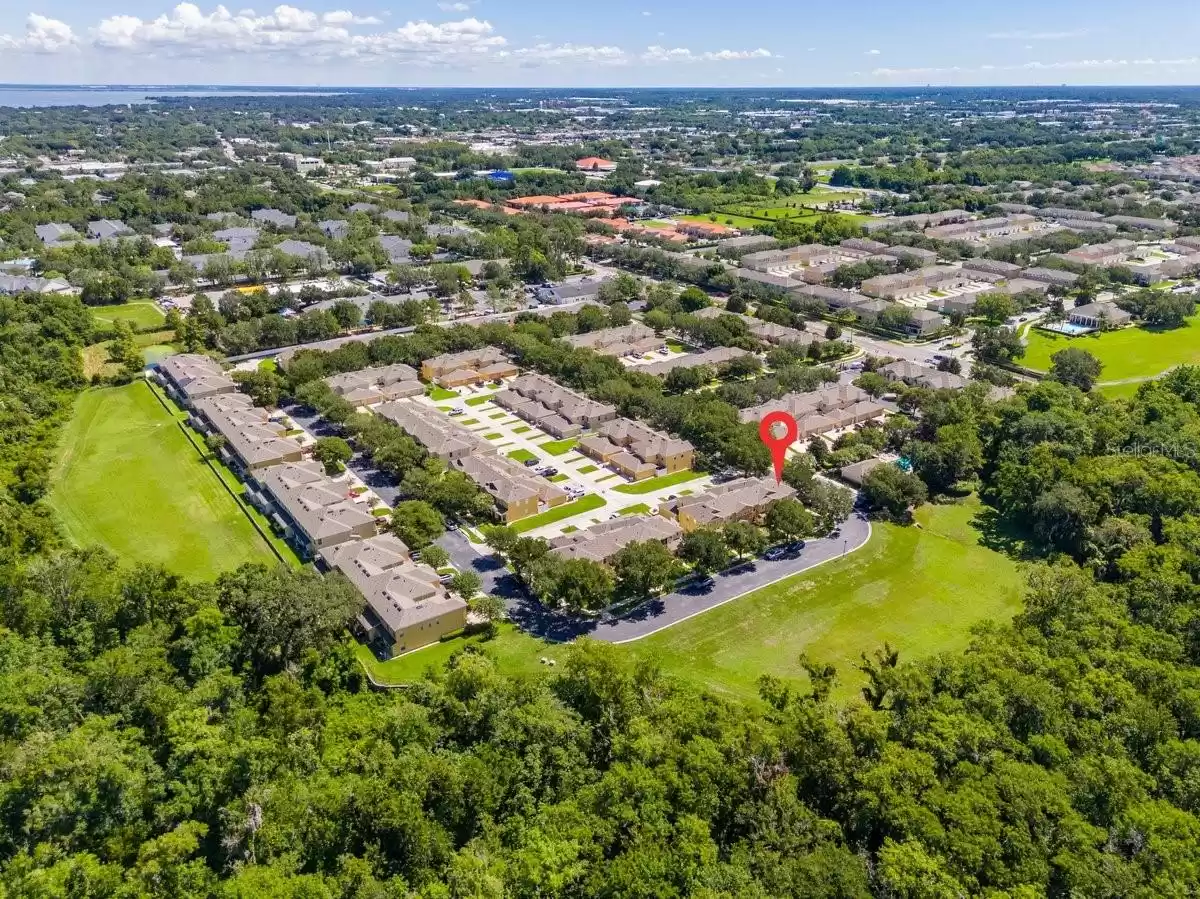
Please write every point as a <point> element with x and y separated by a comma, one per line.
<point>655,614</point>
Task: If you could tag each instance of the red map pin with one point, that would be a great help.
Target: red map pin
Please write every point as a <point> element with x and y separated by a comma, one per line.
<point>778,445</point>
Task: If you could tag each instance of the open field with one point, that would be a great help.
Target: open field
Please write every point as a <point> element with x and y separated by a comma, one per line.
<point>921,589</point>
<point>127,478</point>
<point>141,314</point>
<point>721,218</point>
<point>154,346</point>
<point>1127,353</point>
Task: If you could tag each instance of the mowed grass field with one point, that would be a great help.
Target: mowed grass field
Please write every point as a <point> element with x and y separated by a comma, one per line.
<point>127,478</point>
<point>141,314</point>
<point>919,588</point>
<point>1127,353</point>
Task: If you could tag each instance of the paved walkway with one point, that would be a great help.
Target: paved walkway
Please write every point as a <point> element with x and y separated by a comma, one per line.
<point>656,614</point>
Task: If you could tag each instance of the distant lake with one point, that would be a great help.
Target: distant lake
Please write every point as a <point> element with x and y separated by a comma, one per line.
<point>109,96</point>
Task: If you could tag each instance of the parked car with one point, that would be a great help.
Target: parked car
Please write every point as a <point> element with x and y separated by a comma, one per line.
<point>775,553</point>
<point>457,411</point>
<point>549,472</point>
<point>706,584</point>
<point>529,463</point>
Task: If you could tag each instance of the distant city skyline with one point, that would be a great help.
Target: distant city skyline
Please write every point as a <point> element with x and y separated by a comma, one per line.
<point>625,43</point>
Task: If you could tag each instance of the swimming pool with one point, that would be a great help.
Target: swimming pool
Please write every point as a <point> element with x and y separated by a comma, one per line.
<point>1067,328</point>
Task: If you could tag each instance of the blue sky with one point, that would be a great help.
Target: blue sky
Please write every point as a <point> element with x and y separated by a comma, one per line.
<point>617,43</point>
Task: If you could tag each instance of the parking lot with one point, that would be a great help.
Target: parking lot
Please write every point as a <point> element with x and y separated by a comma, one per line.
<point>559,460</point>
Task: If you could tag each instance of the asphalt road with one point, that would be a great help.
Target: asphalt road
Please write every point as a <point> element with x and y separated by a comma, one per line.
<point>655,614</point>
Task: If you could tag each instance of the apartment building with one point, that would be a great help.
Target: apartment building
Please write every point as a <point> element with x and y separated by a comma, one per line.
<point>631,339</point>
<point>821,411</point>
<point>188,377</point>
<point>922,376</point>
<point>901,285</point>
<point>312,509</point>
<point>714,358</point>
<point>406,605</point>
<point>376,385</point>
<point>1137,223</point>
<point>1114,252</point>
<point>918,221</point>
<point>517,493</point>
<point>1051,276</point>
<point>440,436</point>
<point>984,229</point>
<point>253,440</point>
<point>745,499</point>
<point>572,407</point>
<point>795,257</point>
<point>637,451</point>
<point>468,367</point>
<point>992,267</point>
<point>767,332</point>
<point>601,542</point>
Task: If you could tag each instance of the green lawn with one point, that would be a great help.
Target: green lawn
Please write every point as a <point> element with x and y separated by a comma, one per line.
<point>496,415</point>
<point>667,480</point>
<point>634,510</point>
<point>921,589</point>
<point>1121,391</point>
<point>558,447</point>
<point>1126,353</point>
<point>523,455</point>
<point>675,345</point>
<point>141,315</point>
<point>517,653</point>
<point>521,429</point>
<point>468,421</point>
<point>556,478</point>
<point>128,479</point>
<point>495,435</point>
<point>157,352</point>
<point>724,218</point>
<point>586,504</point>
<point>587,469</point>
<point>437,394</point>
<point>479,400</point>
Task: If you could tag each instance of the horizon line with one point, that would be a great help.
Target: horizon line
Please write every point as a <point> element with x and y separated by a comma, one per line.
<point>599,87</point>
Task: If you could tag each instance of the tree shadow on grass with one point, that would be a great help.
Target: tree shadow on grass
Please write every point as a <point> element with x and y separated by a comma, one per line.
<point>1004,536</point>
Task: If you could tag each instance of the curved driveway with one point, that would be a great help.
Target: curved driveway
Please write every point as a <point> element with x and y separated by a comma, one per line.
<point>655,614</point>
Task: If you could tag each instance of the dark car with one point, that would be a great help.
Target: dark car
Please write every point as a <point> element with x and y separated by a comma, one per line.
<point>549,472</point>
<point>529,463</point>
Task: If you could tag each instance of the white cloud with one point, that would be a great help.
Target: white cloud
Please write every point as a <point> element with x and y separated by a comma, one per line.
<point>657,54</point>
<point>42,35</point>
<point>345,17</point>
<point>872,53</point>
<point>1037,35</point>
<point>646,12</point>
<point>448,6</point>
<point>551,54</point>
<point>187,30</point>
<point>1036,66</point>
